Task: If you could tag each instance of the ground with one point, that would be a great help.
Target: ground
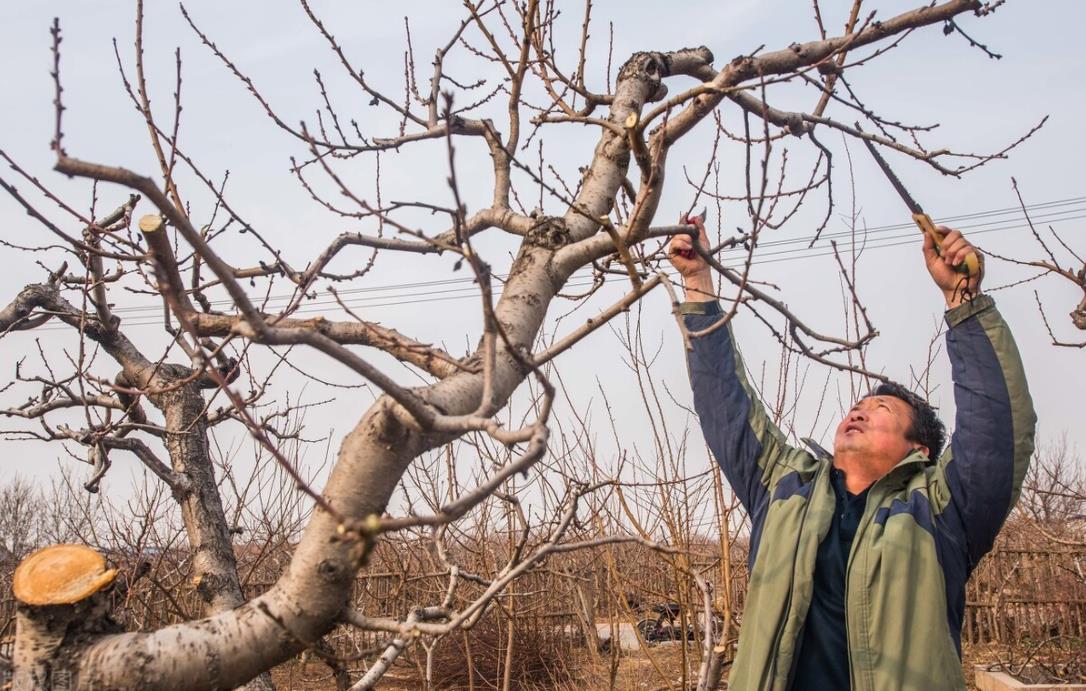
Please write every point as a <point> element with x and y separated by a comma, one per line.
<point>634,673</point>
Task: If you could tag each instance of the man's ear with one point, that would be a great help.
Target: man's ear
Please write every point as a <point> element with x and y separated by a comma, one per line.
<point>921,447</point>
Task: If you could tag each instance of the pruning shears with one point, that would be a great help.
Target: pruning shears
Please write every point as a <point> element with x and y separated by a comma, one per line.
<point>689,254</point>
<point>971,265</point>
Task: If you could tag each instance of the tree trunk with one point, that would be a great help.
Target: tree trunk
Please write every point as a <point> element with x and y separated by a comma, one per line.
<point>214,563</point>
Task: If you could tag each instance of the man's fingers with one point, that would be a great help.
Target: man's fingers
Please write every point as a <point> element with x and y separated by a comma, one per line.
<point>681,252</point>
<point>684,244</point>
<point>950,237</point>
<point>683,249</point>
<point>929,247</point>
<point>956,248</point>
<point>963,254</point>
<point>945,258</point>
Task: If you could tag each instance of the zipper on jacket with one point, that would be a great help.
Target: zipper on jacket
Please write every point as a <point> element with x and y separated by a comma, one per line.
<point>865,521</point>
<point>779,635</point>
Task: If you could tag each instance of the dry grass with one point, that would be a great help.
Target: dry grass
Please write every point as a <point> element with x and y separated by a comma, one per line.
<point>530,655</point>
<point>632,672</point>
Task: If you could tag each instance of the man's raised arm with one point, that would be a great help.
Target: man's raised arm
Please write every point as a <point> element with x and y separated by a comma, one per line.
<point>994,425</point>
<point>750,449</point>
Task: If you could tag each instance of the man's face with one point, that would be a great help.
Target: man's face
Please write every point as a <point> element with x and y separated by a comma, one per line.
<point>876,427</point>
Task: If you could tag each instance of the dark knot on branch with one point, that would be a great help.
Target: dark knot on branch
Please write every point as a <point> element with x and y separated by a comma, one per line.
<point>548,232</point>
<point>649,68</point>
<point>1078,318</point>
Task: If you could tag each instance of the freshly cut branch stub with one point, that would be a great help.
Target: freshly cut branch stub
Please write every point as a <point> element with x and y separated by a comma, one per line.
<point>61,575</point>
<point>151,223</point>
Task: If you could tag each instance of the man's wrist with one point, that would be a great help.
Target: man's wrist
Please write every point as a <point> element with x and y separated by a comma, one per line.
<point>699,287</point>
<point>957,298</point>
<point>952,300</point>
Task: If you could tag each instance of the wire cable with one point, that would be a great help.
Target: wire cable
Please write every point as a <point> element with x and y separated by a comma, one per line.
<point>866,240</point>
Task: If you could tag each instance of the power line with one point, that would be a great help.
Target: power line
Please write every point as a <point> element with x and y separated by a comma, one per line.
<point>444,290</point>
<point>762,244</point>
<point>911,239</point>
<point>469,291</point>
<point>973,228</point>
<point>872,230</point>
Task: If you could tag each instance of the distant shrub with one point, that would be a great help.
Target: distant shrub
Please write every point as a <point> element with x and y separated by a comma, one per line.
<point>540,658</point>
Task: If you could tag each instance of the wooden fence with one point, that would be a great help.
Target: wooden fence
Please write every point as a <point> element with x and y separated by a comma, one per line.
<point>1015,594</point>
<point>1019,593</point>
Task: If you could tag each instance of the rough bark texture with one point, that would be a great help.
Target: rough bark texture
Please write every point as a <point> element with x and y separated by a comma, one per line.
<point>44,634</point>
<point>214,566</point>
<point>215,571</point>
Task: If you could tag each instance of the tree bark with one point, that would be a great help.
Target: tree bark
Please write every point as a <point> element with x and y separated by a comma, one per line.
<point>215,569</point>
<point>214,563</point>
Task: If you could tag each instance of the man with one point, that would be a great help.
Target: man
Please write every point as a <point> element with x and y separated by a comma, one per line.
<point>859,561</point>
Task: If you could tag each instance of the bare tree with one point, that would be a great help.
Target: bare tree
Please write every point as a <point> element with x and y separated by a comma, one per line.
<point>160,399</point>
<point>21,508</point>
<point>1058,259</point>
<point>1054,498</point>
<point>1049,520</point>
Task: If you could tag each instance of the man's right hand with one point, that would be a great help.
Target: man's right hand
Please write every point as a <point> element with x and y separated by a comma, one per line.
<point>697,279</point>
<point>941,265</point>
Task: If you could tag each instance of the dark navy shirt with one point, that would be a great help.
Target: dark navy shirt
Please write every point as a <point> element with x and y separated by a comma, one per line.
<point>822,664</point>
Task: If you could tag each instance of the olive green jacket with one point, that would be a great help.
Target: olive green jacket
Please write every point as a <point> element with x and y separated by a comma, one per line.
<point>926,524</point>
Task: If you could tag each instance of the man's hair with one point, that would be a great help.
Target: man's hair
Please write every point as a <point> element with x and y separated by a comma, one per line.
<point>925,426</point>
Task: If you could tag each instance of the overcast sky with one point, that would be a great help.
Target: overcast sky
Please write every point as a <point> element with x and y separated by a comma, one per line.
<point>981,105</point>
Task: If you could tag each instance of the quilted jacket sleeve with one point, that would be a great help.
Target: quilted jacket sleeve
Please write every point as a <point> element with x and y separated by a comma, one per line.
<point>749,447</point>
<point>994,425</point>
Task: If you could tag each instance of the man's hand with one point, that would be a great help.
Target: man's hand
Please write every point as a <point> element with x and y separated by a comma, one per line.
<point>953,251</point>
<point>697,279</point>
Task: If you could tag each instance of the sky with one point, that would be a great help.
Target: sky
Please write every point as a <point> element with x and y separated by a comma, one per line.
<point>980,104</point>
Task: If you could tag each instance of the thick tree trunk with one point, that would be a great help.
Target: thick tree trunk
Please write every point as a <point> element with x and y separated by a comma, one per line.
<point>214,563</point>
<point>44,631</point>
<point>215,572</point>
<point>215,569</point>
